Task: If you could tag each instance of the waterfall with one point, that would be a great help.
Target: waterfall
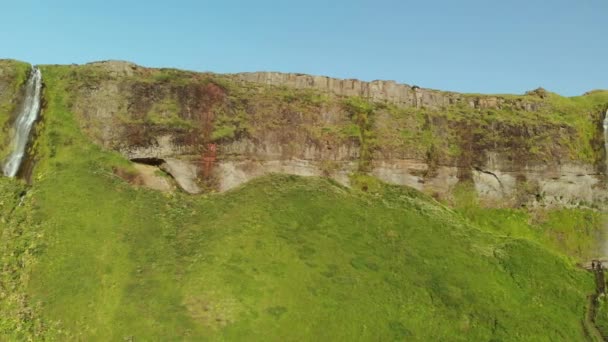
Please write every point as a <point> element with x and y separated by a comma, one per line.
<point>604,252</point>
<point>606,136</point>
<point>24,122</point>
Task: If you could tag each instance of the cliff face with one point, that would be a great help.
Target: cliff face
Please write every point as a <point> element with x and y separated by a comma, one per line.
<point>390,91</point>
<point>215,132</point>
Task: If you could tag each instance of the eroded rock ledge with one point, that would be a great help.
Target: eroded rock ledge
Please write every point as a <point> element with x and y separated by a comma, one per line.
<point>402,94</point>
<point>215,132</point>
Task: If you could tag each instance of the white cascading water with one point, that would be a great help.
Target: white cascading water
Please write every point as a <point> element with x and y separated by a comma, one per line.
<point>606,135</point>
<point>605,232</point>
<point>24,122</point>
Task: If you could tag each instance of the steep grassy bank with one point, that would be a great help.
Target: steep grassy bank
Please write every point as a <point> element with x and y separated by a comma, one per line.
<point>578,233</point>
<point>282,258</point>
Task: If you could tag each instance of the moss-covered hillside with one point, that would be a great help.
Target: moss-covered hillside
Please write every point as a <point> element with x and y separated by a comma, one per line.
<point>87,256</point>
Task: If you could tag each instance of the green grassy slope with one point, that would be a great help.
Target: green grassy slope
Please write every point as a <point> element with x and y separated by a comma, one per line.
<point>88,257</point>
<point>575,232</point>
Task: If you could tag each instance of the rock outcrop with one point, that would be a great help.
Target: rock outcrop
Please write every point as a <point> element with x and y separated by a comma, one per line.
<point>379,90</point>
<point>215,132</point>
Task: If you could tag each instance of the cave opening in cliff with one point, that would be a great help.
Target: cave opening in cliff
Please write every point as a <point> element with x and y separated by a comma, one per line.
<point>152,161</point>
<point>158,163</point>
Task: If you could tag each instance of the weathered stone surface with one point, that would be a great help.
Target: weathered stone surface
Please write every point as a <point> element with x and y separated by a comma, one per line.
<point>117,68</point>
<point>149,178</point>
<point>268,149</point>
<point>564,185</point>
<point>161,147</point>
<point>380,90</point>
<point>184,173</point>
<point>175,116</point>
<point>234,173</point>
<point>495,185</point>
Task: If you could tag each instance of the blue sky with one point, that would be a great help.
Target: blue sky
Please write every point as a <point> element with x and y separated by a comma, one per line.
<point>489,46</point>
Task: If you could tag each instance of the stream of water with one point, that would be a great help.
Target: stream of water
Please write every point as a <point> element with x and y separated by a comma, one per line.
<point>606,136</point>
<point>24,122</point>
<point>604,238</point>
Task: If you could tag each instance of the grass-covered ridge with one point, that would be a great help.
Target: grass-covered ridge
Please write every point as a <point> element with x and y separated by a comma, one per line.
<point>282,258</point>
